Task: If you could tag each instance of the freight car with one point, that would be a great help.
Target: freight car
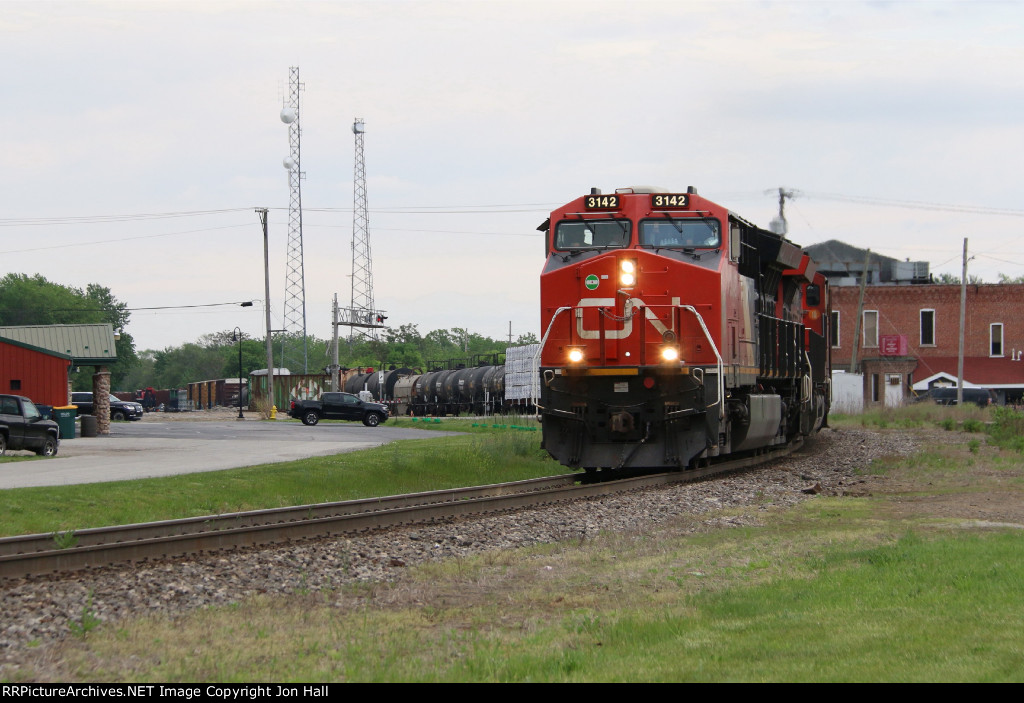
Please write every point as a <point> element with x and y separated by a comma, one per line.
<point>474,390</point>
<point>675,331</point>
<point>487,388</point>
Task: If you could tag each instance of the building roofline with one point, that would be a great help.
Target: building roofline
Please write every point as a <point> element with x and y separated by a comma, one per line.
<point>23,345</point>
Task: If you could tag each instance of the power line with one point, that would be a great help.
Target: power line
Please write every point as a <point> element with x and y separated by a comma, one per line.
<point>115,241</point>
<point>96,219</point>
<point>918,204</point>
<point>474,233</point>
<point>418,230</point>
<point>396,210</point>
<point>452,208</point>
<point>1003,261</point>
<point>496,208</point>
<point>120,309</point>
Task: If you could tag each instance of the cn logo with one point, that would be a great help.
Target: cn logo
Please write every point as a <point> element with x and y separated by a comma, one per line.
<point>627,318</point>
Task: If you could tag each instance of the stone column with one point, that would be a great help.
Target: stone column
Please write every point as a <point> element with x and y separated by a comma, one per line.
<point>101,399</point>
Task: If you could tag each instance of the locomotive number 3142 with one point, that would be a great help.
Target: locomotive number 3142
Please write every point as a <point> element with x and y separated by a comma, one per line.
<point>601,202</point>
<point>669,200</point>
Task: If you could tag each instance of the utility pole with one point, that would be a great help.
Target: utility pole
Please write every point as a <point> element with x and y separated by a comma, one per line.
<point>266,306</point>
<point>963,311</point>
<point>335,382</point>
<point>860,311</point>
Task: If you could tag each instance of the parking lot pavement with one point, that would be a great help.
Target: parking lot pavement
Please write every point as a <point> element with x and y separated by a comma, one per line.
<point>154,448</point>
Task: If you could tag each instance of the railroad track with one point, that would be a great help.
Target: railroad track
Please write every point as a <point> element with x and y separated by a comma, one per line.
<point>29,555</point>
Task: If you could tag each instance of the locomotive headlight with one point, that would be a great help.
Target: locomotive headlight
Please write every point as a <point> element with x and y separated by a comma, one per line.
<point>575,355</point>
<point>670,354</point>
<point>627,272</point>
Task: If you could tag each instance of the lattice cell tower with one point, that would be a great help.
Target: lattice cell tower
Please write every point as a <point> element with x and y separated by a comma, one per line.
<point>361,313</point>
<point>295,277</point>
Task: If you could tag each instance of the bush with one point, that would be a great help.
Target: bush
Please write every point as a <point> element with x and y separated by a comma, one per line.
<point>262,405</point>
<point>1007,428</point>
<point>971,425</point>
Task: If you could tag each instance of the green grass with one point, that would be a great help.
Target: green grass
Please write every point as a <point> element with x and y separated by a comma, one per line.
<point>968,417</point>
<point>453,424</point>
<point>405,466</point>
<point>835,589</point>
<point>821,593</point>
<point>1007,429</point>
<point>926,464</point>
<point>11,458</point>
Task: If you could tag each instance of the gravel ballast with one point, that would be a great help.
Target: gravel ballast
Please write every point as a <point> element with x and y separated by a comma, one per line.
<point>40,610</point>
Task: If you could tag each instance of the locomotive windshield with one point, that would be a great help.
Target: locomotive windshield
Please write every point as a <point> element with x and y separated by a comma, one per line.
<point>680,234</point>
<point>592,234</point>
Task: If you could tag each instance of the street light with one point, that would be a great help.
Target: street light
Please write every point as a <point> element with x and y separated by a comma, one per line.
<point>236,336</point>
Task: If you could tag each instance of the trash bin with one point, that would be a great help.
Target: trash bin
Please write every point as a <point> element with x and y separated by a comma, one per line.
<point>89,426</point>
<point>65,419</point>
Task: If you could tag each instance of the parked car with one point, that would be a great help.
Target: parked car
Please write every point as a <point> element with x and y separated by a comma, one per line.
<point>119,409</point>
<point>338,406</point>
<point>946,395</point>
<point>23,427</point>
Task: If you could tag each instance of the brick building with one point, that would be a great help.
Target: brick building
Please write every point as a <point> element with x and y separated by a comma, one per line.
<point>909,337</point>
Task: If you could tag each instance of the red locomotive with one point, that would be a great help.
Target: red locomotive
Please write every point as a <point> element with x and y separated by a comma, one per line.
<point>674,331</point>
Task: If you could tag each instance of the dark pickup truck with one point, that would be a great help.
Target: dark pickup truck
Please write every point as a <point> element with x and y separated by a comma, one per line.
<point>338,406</point>
<point>22,427</point>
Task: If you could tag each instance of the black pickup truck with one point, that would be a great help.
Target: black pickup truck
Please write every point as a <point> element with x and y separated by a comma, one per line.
<point>338,406</point>
<point>22,427</point>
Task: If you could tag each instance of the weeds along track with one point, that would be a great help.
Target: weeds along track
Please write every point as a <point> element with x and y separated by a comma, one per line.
<point>30,555</point>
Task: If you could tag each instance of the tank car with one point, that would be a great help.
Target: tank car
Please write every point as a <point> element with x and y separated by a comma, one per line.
<point>675,331</point>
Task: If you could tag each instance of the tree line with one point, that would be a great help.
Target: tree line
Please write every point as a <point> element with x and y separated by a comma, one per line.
<point>33,300</point>
<point>217,355</point>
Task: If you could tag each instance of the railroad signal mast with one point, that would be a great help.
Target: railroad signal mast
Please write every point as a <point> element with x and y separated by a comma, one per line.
<point>361,313</point>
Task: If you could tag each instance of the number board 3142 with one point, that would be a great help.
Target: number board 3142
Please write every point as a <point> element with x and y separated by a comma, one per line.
<point>601,202</point>
<point>671,200</point>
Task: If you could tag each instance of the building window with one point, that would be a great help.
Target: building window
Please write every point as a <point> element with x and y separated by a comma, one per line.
<point>995,339</point>
<point>834,329</point>
<point>15,384</point>
<point>927,328</point>
<point>870,328</point>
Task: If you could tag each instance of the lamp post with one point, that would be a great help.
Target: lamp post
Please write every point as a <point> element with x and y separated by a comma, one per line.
<point>237,337</point>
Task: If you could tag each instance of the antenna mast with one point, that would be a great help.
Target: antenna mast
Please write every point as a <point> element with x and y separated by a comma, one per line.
<point>779,225</point>
<point>295,277</point>
<point>361,313</point>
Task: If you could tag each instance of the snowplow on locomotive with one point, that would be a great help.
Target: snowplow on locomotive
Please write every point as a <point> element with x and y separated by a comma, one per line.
<point>675,331</point>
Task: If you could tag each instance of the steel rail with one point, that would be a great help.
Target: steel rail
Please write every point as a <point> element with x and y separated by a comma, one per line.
<point>25,544</point>
<point>30,555</point>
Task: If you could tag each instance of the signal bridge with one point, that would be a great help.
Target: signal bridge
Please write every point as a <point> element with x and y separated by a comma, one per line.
<point>360,317</point>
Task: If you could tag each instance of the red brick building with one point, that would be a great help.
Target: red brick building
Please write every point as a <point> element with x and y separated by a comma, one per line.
<point>909,336</point>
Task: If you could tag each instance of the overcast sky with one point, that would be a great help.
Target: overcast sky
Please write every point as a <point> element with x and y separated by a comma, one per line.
<point>899,124</point>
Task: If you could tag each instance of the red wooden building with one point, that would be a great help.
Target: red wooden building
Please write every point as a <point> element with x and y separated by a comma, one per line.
<point>38,374</point>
